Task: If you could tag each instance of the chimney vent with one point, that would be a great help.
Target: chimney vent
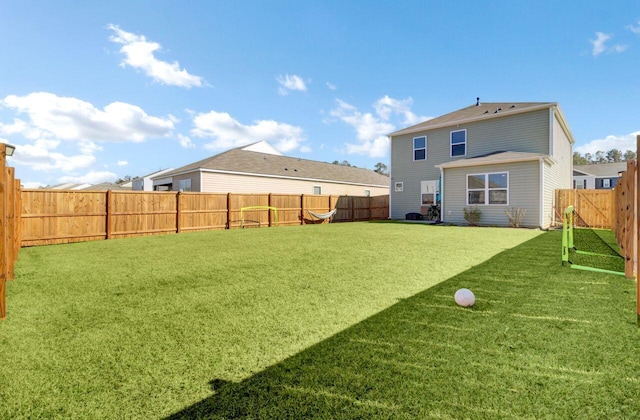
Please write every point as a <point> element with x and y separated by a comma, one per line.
<point>478,101</point>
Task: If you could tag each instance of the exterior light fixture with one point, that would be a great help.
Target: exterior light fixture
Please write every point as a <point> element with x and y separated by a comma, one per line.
<point>9,148</point>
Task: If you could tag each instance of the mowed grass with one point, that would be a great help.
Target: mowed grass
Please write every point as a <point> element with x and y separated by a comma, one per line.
<point>339,321</point>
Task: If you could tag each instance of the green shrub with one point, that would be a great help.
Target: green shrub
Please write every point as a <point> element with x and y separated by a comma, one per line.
<point>472,215</point>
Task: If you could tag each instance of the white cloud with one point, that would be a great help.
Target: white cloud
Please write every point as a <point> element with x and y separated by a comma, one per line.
<point>331,86</point>
<point>92,177</point>
<point>185,141</point>
<point>620,142</point>
<point>139,54</point>
<point>634,29</point>
<point>227,132</point>
<point>387,106</point>
<point>599,44</point>
<point>122,163</point>
<point>41,156</point>
<point>371,131</point>
<point>33,184</point>
<point>290,83</point>
<point>68,118</point>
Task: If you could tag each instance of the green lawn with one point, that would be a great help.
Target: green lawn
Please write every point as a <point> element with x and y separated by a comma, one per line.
<point>345,320</point>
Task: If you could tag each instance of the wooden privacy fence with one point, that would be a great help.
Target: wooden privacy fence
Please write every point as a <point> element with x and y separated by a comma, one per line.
<point>63,216</point>
<point>625,223</point>
<point>9,226</point>
<point>595,208</point>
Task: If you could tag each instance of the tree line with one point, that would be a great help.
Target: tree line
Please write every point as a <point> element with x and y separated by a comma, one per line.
<point>613,155</point>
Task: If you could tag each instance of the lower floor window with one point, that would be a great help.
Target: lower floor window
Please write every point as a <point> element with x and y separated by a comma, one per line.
<point>488,188</point>
<point>184,185</point>
<point>317,190</point>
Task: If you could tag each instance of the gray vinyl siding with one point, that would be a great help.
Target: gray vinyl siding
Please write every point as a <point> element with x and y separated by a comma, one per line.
<point>247,184</point>
<point>524,192</point>
<point>526,132</point>
<point>557,175</point>
<point>195,181</point>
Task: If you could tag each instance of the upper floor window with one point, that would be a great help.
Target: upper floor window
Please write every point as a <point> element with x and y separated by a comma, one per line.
<point>420,148</point>
<point>399,186</point>
<point>459,143</point>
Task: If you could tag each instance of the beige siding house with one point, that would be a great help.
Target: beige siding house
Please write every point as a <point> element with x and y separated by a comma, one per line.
<point>260,168</point>
<point>493,156</point>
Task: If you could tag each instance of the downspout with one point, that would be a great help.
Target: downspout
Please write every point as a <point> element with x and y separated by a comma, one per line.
<point>442,195</point>
<point>391,187</point>
<point>541,204</point>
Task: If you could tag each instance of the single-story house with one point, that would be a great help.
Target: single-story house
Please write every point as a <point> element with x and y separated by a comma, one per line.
<point>598,175</point>
<point>261,168</point>
<point>493,157</point>
<point>145,183</point>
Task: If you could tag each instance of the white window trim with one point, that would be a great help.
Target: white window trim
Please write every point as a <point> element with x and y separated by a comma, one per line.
<point>457,144</point>
<point>367,193</point>
<point>486,188</point>
<point>319,187</point>
<point>398,186</point>
<point>608,181</point>
<point>414,148</point>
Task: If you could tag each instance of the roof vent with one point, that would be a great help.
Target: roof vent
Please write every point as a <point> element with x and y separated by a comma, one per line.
<point>512,106</point>
<point>497,110</point>
<point>478,101</point>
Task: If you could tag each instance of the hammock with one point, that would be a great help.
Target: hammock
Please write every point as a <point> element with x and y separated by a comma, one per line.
<point>323,215</point>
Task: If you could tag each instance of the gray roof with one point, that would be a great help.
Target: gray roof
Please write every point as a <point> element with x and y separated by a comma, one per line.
<point>256,163</point>
<point>493,158</point>
<point>604,170</point>
<point>474,112</point>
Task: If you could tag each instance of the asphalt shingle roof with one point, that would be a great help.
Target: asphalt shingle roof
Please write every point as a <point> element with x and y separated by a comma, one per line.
<point>602,169</point>
<point>256,163</point>
<point>474,113</point>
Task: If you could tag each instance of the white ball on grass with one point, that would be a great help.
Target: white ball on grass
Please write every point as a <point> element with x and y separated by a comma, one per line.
<point>465,297</point>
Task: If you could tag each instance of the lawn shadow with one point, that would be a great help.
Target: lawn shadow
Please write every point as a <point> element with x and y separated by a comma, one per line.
<point>532,346</point>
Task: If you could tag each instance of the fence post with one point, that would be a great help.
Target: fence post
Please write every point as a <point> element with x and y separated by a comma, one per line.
<point>228,210</point>
<point>109,221</point>
<point>269,216</point>
<point>302,208</point>
<point>178,212</point>
<point>17,208</point>
<point>3,232</point>
<point>629,219</point>
<point>10,221</point>
<point>637,234</point>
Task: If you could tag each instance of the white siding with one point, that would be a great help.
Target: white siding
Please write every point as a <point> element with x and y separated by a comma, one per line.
<point>224,183</point>
<point>524,192</point>
<point>526,132</point>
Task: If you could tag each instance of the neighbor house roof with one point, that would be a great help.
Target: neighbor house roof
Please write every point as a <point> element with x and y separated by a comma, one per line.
<point>494,158</point>
<point>244,161</point>
<point>602,170</point>
<point>481,111</point>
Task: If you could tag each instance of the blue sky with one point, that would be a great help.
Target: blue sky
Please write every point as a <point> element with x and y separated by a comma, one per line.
<point>93,91</point>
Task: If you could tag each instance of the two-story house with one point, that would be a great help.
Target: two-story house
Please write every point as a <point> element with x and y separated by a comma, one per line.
<point>490,156</point>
